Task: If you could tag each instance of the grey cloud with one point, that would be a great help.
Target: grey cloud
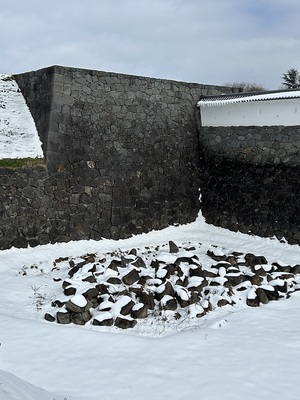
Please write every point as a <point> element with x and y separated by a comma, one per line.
<point>214,41</point>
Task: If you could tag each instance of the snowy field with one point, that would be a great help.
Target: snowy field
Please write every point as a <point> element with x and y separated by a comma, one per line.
<point>232,353</point>
<point>18,134</point>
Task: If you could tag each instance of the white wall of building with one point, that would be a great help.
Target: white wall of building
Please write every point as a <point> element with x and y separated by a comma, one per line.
<point>259,113</point>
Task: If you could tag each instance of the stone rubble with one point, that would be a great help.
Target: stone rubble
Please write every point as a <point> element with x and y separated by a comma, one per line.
<point>126,287</point>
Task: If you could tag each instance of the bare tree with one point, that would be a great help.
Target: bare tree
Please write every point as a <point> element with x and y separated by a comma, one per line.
<point>246,87</point>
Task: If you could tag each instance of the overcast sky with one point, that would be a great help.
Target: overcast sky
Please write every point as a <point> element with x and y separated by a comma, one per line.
<point>204,41</point>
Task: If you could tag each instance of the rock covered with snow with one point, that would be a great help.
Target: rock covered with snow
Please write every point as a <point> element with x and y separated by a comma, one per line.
<point>112,291</point>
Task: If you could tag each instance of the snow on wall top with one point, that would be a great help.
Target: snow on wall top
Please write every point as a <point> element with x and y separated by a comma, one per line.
<point>18,134</point>
<point>208,101</point>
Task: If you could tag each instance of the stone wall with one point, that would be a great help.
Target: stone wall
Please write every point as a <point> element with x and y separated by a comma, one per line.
<point>250,182</point>
<point>127,154</point>
<point>250,179</point>
<point>279,145</point>
<point>122,155</point>
<point>25,207</point>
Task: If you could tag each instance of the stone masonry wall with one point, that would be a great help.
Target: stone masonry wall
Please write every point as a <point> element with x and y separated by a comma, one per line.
<point>127,154</point>
<point>122,157</point>
<point>24,207</point>
<point>251,198</point>
<point>254,144</point>
<point>250,182</point>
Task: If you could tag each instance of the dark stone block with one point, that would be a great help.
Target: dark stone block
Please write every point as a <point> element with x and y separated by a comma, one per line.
<point>125,323</point>
<point>49,317</point>
<point>131,277</point>
<point>63,317</point>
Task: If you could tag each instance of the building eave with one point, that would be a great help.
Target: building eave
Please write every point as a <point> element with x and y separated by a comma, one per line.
<point>244,97</point>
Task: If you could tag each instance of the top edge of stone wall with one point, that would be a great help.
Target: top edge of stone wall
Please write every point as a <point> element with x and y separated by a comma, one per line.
<point>73,71</point>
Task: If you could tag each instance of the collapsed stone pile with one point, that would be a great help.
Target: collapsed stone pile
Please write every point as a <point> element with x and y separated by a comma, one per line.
<point>125,287</point>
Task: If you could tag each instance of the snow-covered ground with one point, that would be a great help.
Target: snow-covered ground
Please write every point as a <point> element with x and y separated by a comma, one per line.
<point>18,134</point>
<point>230,353</point>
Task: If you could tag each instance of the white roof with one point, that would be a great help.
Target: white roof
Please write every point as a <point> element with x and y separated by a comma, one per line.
<point>220,100</point>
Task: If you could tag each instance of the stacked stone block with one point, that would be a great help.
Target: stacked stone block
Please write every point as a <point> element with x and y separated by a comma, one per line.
<point>121,156</point>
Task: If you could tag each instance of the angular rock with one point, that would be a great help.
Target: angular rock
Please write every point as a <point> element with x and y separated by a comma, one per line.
<point>139,263</point>
<point>253,260</point>
<point>173,248</point>
<point>210,273</point>
<point>183,281</point>
<point>102,288</point>
<point>90,258</point>
<point>272,294</point>
<point>282,288</point>
<point>90,279</point>
<point>131,277</point>
<point>126,305</point>
<point>296,269</point>
<point>148,300</point>
<point>223,264</point>
<point>236,279</point>
<point>139,311</point>
<point>63,317</point>
<point>49,317</point>
<point>93,269</point>
<point>70,291</point>
<point>125,323</point>
<point>184,301</point>
<point>233,269</point>
<point>253,302</point>
<point>196,270</point>
<point>143,279</point>
<point>136,289</point>
<point>106,305</point>
<point>168,303</point>
<point>91,293</point>
<point>216,255</point>
<point>186,257</point>
<point>73,271</point>
<point>133,252</point>
<point>103,319</point>
<point>77,304</point>
<point>66,283</point>
<point>163,290</point>
<point>114,264</point>
<point>256,280</point>
<point>154,264</point>
<point>252,298</point>
<point>282,268</point>
<point>233,260</point>
<point>222,303</point>
<point>114,280</point>
<point>262,296</point>
<point>58,303</point>
<point>179,271</point>
<point>80,318</point>
<point>259,270</point>
<point>171,268</point>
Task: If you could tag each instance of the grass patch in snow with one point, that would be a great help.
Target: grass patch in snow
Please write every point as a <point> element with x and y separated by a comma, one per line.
<point>22,162</point>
